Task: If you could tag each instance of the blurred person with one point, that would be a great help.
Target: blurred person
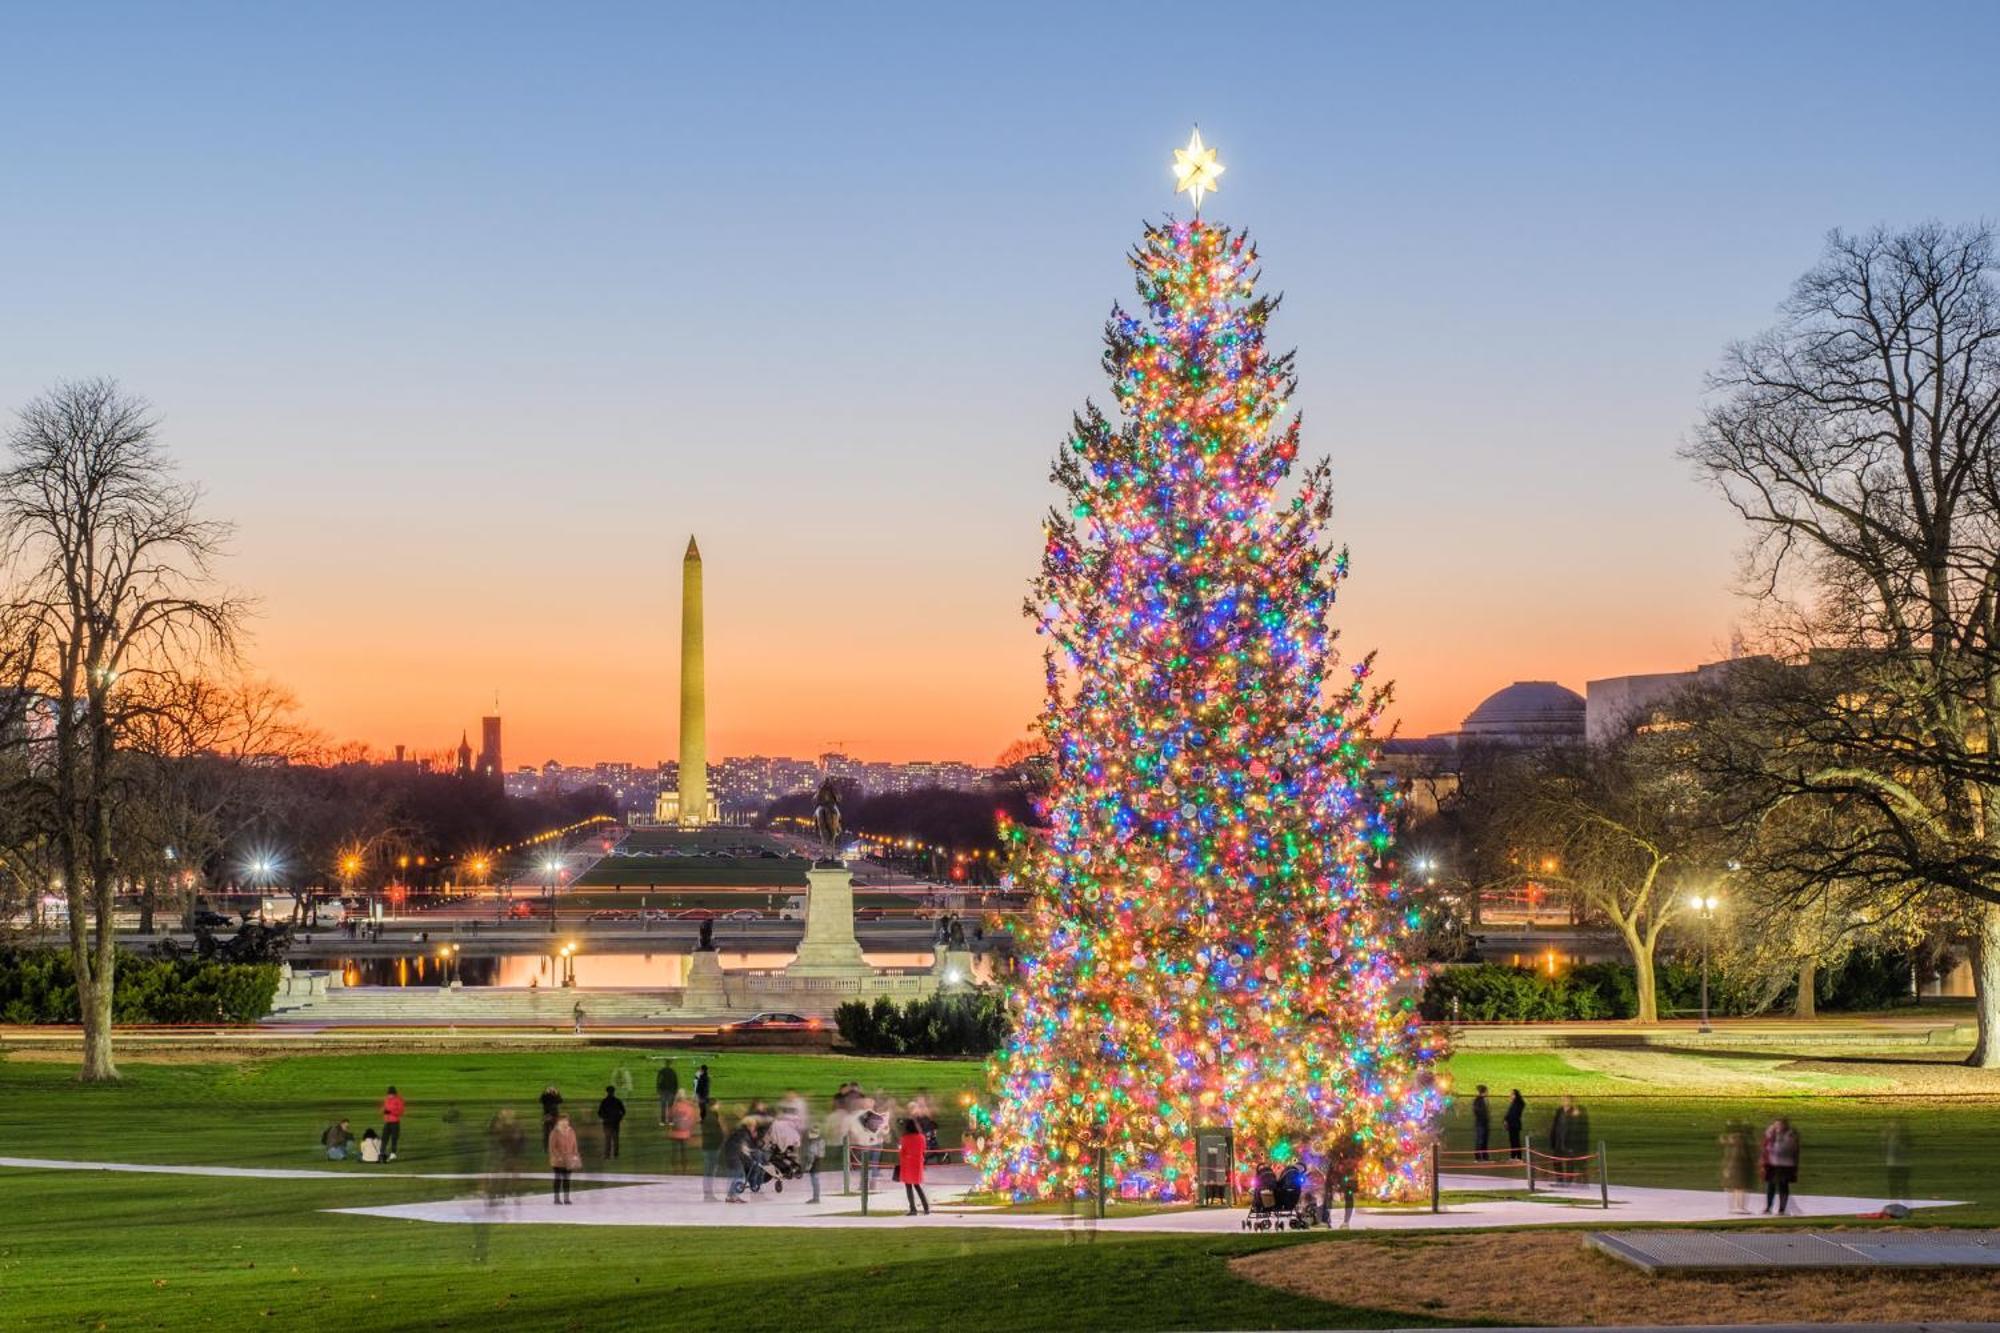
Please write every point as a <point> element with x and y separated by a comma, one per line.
<point>564,1155</point>
<point>506,1155</point>
<point>920,1112</point>
<point>667,1085</point>
<point>1517,1110</point>
<point>551,1108</point>
<point>680,1128</point>
<point>738,1157</point>
<point>611,1114</point>
<point>811,1152</point>
<point>1343,1175</point>
<point>910,1149</point>
<point>1896,1158</point>
<point>1739,1172</point>
<point>712,1139</point>
<point>392,1123</point>
<point>1482,1125</point>
<point>702,1094</point>
<point>1781,1164</point>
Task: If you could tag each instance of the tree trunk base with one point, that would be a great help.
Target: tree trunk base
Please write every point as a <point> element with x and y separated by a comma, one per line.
<point>1986,987</point>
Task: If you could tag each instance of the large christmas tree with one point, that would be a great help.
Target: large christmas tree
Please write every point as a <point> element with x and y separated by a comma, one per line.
<point>1212,934</point>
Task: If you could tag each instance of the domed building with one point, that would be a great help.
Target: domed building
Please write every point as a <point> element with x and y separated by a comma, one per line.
<point>1528,714</point>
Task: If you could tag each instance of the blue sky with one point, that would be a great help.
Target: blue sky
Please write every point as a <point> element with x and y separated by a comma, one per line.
<point>468,314</point>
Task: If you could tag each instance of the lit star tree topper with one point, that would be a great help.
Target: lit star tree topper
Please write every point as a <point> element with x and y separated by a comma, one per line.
<point>1196,170</point>
<point>1212,937</point>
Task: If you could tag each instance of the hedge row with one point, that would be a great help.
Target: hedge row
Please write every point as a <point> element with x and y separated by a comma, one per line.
<point>973,1024</point>
<point>1496,993</point>
<point>39,986</point>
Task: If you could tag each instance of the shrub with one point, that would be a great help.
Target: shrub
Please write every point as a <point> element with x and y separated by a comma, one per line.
<point>39,986</point>
<point>972,1024</point>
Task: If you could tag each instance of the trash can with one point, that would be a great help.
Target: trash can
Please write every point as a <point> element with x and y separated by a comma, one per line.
<point>1214,1167</point>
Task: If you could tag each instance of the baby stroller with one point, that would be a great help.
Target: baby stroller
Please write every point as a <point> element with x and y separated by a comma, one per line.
<point>1281,1202</point>
<point>781,1164</point>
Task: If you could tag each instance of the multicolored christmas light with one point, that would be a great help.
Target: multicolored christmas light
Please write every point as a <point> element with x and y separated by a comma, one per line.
<point>1212,940</point>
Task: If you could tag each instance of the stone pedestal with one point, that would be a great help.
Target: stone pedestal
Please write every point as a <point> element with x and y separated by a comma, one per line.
<point>829,948</point>
<point>953,970</point>
<point>704,992</point>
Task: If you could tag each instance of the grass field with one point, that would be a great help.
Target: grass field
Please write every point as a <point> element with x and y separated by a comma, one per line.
<point>126,1251</point>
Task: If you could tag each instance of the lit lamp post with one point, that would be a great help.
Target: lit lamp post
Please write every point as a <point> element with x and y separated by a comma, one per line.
<point>552,867</point>
<point>1705,904</point>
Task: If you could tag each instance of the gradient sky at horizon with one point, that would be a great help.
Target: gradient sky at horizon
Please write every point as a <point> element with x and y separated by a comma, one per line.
<point>469,315</point>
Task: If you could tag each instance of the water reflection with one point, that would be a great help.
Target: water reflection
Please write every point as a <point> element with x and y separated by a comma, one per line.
<point>611,971</point>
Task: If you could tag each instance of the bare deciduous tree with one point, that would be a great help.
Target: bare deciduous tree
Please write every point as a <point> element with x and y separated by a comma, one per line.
<point>1858,439</point>
<point>111,598</point>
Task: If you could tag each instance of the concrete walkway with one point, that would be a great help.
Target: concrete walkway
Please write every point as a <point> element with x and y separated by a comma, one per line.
<point>677,1202</point>
<point>634,1199</point>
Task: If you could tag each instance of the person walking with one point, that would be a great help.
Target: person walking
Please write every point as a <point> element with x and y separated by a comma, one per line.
<point>1558,1138</point>
<point>1517,1109</point>
<point>576,1019</point>
<point>1738,1170</point>
<point>551,1108</point>
<point>737,1152</point>
<point>1482,1126</point>
<point>667,1083</point>
<point>712,1139</point>
<point>910,1150</point>
<point>1781,1164</point>
<point>701,1094</point>
<point>610,1114</point>
<point>680,1128</point>
<point>564,1156</point>
<point>392,1123</point>
<point>1343,1175</point>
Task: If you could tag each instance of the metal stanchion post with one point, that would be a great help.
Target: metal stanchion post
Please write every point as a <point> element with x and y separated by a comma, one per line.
<point>1436,1185</point>
<point>1603,1176</point>
<point>846,1165</point>
<point>1101,1154</point>
<point>1528,1156</point>
<point>864,1187</point>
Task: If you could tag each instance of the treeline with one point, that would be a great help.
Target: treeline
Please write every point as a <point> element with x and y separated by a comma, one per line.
<point>39,986</point>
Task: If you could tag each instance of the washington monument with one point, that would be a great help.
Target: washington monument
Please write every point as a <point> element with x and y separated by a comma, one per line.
<point>693,804</point>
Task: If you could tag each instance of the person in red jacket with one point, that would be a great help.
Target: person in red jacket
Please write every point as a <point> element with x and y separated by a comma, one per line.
<point>392,1123</point>
<point>910,1166</point>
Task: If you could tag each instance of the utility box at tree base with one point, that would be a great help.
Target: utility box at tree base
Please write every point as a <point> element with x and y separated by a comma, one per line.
<point>1214,1167</point>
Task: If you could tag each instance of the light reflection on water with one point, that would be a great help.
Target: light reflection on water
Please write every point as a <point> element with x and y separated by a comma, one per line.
<point>611,971</point>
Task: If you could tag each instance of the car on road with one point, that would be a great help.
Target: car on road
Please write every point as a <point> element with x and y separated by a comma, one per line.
<point>696,914</point>
<point>613,914</point>
<point>524,911</point>
<point>203,919</point>
<point>743,914</point>
<point>773,1022</point>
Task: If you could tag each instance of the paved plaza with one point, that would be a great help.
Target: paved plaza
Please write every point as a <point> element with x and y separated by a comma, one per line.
<point>634,1199</point>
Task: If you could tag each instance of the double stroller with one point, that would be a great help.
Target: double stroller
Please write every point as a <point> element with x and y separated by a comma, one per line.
<point>1282,1201</point>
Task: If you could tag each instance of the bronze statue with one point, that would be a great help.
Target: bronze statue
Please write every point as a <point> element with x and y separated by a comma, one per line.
<point>826,817</point>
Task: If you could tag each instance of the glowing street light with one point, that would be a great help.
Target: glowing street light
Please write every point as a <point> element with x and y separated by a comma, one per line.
<point>1704,905</point>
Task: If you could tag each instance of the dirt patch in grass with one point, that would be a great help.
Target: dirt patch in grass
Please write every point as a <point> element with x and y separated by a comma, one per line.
<point>1552,1278</point>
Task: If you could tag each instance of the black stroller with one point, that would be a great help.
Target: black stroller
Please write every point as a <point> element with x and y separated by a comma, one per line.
<point>1282,1201</point>
<point>781,1164</point>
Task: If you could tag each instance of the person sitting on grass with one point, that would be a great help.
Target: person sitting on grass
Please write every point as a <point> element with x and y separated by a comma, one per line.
<point>371,1146</point>
<point>335,1138</point>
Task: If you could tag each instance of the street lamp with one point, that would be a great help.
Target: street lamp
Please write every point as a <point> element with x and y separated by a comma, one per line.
<point>1705,904</point>
<point>552,868</point>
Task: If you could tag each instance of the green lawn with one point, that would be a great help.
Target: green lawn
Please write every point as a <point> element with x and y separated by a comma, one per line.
<point>127,1250</point>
